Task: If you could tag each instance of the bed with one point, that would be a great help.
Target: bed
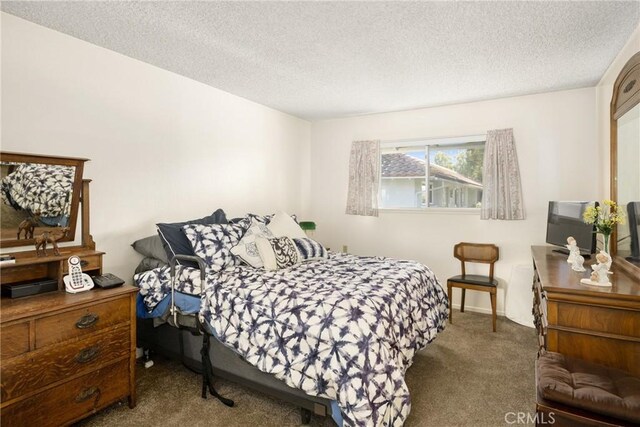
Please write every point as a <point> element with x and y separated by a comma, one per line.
<point>360,318</point>
<point>334,336</point>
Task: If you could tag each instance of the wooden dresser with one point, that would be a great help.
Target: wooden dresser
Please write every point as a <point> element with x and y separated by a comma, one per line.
<point>64,356</point>
<point>597,324</point>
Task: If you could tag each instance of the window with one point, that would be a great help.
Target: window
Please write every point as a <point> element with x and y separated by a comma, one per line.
<point>451,178</point>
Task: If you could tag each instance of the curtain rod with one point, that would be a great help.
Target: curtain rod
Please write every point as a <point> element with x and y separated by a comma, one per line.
<point>451,139</point>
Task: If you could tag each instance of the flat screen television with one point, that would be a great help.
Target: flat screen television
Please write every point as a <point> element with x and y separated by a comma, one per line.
<point>564,220</point>
<point>633,211</point>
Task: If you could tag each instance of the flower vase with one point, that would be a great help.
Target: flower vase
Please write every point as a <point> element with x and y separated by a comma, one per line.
<point>605,248</point>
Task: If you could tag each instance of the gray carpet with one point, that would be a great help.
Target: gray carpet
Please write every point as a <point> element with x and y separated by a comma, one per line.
<point>469,376</point>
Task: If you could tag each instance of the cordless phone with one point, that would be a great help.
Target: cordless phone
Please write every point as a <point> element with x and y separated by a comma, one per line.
<point>76,281</point>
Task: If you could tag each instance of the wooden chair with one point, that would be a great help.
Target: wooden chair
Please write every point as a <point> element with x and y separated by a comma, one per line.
<point>474,253</point>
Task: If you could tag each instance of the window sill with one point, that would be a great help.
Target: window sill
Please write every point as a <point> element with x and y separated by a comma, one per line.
<point>432,211</point>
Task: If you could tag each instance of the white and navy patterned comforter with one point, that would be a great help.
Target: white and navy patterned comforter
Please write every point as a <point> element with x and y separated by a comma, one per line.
<point>39,188</point>
<point>156,284</point>
<point>345,328</point>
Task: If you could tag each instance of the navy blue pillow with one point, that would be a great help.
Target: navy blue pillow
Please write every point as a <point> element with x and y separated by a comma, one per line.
<point>174,240</point>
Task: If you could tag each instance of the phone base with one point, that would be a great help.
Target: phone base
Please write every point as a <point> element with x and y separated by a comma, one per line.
<point>70,288</point>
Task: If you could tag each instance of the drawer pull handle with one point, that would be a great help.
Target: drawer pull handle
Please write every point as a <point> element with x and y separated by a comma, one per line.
<point>87,355</point>
<point>87,393</point>
<point>83,263</point>
<point>87,321</point>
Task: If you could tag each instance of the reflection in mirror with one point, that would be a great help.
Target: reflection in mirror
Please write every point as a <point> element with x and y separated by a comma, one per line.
<point>35,198</point>
<point>629,182</point>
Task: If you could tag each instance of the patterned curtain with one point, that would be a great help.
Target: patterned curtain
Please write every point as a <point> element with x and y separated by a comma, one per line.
<point>364,176</point>
<point>502,193</point>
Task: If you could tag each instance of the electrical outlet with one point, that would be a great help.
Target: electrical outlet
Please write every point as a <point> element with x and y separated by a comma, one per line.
<point>344,248</point>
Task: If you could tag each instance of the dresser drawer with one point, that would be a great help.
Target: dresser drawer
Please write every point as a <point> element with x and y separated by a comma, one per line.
<point>27,373</point>
<point>14,340</point>
<point>18,273</point>
<point>71,400</point>
<point>599,319</point>
<point>83,321</point>
<point>89,262</point>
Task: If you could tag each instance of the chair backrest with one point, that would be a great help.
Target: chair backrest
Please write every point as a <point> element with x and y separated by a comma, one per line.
<point>484,253</point>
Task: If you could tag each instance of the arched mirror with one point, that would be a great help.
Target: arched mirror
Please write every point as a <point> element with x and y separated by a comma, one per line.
<point>38,194</point>
<point>625,162</point>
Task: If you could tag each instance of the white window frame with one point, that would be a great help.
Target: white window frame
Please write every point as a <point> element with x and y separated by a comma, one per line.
<point>426,144</point>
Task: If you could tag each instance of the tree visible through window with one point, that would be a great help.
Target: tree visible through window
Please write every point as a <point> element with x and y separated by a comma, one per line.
<point>452,177</point>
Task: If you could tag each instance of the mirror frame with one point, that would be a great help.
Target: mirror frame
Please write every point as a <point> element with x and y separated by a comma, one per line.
<point>626,95</point>
<point>78,163</point>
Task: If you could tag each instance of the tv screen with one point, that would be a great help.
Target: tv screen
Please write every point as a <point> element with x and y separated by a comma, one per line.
<point>565,219</point>
<point>633,210</point>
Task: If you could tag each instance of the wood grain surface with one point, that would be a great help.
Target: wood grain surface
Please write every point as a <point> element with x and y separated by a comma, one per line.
<point>14,340</point>
<point>60,327</point>
<point>72,400</point>
<point>29,372</point>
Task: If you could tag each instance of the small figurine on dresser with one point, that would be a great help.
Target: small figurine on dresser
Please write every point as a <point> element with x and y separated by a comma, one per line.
<point>572,245</point>
<point>50,237</point>
<point>578,264</point>
<point>575,259</point>
<point>600,273</point>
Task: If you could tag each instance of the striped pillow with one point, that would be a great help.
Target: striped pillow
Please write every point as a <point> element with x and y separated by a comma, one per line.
<point>309,249</point>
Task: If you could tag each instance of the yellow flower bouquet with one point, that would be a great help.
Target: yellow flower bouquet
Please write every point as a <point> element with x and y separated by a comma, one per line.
<point>604,217</point>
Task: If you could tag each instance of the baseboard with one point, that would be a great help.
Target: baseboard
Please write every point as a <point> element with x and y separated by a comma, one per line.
<point>478,309</point>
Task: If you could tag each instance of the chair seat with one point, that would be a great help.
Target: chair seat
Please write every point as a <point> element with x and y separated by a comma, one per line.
<point>589,386</point>
<point>474,279</point>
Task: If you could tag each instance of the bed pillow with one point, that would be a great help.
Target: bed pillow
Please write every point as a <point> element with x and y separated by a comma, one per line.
<point>263,219</point>
<point>249,220</point>
<point>174,240</point>
<point>149,263</point>
<point>247,250</point>
<point>213,243</point>
<point>151,247</point>
<point>309,249</point>
<point>282,225</point>
<point>277,252</point>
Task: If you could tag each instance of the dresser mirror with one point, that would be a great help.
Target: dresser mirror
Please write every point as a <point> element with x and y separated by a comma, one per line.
<point>625,158</point>
<point>38,194</point>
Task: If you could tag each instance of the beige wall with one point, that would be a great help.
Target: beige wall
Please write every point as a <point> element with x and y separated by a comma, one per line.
<point>555,136</point>
<point>162,147</point>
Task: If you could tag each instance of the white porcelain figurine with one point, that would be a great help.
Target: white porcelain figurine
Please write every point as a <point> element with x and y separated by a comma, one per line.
<point>577,264</point>
<point>600,273</point>
<point>574,251</point>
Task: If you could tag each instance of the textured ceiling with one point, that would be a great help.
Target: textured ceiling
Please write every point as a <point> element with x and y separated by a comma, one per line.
<point>319,60</point>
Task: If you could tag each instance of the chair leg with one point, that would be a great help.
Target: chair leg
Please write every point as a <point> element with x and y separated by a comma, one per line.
<point>464,291</point>
<point>450,295</point>
<point>493,310</point>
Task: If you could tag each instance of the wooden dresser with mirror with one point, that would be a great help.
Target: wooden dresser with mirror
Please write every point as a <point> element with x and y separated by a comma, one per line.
<point>62,356</point>
<point>600,324</point>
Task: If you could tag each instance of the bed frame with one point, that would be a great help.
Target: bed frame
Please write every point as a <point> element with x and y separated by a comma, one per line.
<point>182,338</point>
